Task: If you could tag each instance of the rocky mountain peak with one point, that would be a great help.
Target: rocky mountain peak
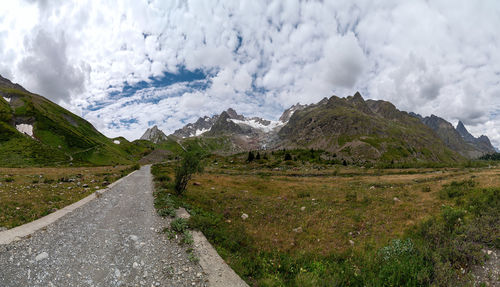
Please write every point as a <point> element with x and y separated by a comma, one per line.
<point>154,134</point>
<point>287,114</point>
<point>481,143</point>
<point>234,115</point>
<point>464,132</point>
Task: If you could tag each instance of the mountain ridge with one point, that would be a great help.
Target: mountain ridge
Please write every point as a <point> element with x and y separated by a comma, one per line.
<point>361,122</point>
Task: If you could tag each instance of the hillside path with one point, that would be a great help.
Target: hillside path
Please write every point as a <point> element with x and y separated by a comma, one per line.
<point>114,240</point>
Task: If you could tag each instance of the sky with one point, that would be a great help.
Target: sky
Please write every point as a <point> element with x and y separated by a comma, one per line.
<point>128,65</point>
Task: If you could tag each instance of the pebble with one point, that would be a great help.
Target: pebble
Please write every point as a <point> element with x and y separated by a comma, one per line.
<point>42,256</point>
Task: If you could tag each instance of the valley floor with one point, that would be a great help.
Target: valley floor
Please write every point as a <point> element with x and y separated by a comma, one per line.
<point>297,224</point>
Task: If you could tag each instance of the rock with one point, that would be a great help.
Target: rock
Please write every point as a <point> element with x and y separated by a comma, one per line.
<point>133,237</point>
<point>117,273</point>
<point>182,213</point>
<point>196,183</point>
<point>42,256</point>
<point>135,265</point>
<point>85,185</point>
<point>396,199</point>
<point>297,230</point>
<point>3,228</point>
<point>244,216</point>
<point>351,242</point>
<point>303,208</point>
<point>372,187</point>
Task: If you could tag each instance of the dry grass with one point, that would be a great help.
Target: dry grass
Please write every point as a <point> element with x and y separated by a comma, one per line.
<point>27,194</point>
<point>344,207</point>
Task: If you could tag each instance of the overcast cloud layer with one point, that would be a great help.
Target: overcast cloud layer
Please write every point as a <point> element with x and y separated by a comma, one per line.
<point>259,57</point>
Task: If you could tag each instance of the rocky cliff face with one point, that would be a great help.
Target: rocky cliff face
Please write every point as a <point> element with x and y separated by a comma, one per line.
<point>154,134</point>
<point>481,143</point>
<point>457,139</point>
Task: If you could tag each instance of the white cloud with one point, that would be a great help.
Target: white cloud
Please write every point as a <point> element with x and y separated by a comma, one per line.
<point>428,57</point>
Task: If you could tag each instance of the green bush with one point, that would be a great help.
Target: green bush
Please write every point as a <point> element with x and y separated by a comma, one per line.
<point>457,188</point>
<point>167,211</point>
<point>187,238</point>
<point>179,225</point>
<point>189,165</point>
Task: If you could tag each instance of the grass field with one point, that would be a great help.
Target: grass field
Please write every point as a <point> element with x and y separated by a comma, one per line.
<point>27,194</point>
<point>320,225</point>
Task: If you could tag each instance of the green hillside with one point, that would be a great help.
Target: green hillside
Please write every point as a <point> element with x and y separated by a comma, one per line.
<point>59,136</point>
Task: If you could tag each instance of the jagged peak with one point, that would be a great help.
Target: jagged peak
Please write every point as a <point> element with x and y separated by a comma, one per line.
<point>358,96</point>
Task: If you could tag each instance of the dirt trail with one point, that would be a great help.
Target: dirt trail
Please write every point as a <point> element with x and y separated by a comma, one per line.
<point>114,240</point>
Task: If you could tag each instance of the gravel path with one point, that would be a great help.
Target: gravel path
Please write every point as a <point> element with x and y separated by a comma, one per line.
<point>115,240</point>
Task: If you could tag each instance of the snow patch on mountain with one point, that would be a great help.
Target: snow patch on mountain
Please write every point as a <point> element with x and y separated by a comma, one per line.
<point>116,142</point>
<point>200,132</point>
<point>7,99</point>
<point>25,129</point>
<point>257,124</point>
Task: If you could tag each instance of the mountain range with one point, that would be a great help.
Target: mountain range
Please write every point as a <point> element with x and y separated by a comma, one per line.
<point>36,131</point>
<point>350,128</point>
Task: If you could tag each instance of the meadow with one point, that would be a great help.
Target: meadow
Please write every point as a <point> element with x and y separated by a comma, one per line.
<point>311,223</point>
<point>27,194</point>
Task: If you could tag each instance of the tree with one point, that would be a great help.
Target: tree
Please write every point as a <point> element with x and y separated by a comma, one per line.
<point>288,156</point>
<point>257,157</point>
<point>189,165</point>
<point>251,156</point>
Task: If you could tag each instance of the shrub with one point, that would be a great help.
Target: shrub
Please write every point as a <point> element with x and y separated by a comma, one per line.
<point>163,178</point>
<point>179,225</point>
<point>167,211</point>
<point>250,157</point>
<point>189,165</point>
<point>456,188</point>
<point>8,179</point>
<point>288,156</point>
<point>426,189</point>
<point>351,196</point>
<point>187,237</point>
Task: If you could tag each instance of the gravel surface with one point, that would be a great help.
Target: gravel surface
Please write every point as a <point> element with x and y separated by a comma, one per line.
<point>114,240</point>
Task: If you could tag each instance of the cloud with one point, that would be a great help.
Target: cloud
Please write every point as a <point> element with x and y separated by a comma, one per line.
<point>47,69</point>
<point>343,61</point>
<point>258,56</point>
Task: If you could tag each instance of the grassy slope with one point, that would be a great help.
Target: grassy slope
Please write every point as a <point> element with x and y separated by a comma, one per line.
<point>342,204</point>
<point>60,135</point>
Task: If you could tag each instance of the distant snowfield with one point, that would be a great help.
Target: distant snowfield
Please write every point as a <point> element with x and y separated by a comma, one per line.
<point>200,132</point>
<point>256,125</point>
<point>25,129</point>
<point>7,99</point>
<point>116,142</point>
